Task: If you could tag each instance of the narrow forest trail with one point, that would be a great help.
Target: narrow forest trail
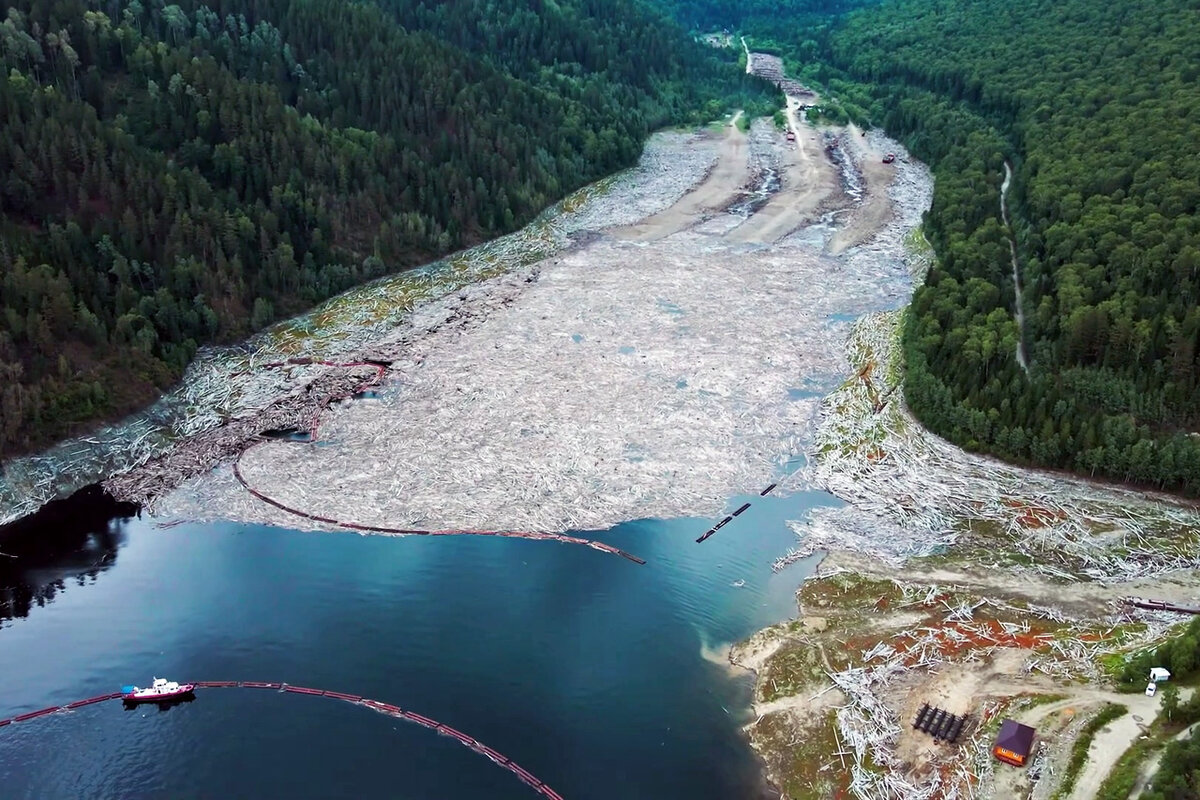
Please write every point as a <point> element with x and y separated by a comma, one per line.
<point>749,57</point>
<point>1019,307</point>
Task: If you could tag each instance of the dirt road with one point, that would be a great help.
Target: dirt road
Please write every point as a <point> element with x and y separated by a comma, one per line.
<point>1081,598</point>
<point>808,180</point>
<point>723,184</point>
<point>1114,739</point>
<point>875,211</point>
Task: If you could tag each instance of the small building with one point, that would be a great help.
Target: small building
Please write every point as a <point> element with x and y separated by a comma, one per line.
<point>1014,743</point>
<point>1158,675</point>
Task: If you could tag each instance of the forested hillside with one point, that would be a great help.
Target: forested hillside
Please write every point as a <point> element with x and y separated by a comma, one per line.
<point>1097,108</point>
<point>766,20</point>
<point>172,175</point>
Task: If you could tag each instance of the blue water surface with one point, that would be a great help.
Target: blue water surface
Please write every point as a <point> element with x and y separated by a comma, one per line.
<point>604,678</point>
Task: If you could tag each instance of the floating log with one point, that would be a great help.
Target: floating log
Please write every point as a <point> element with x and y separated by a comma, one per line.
<point>1159,605</point>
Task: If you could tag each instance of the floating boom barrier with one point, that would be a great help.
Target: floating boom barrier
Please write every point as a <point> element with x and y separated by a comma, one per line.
<point>354,526</point>
<point>494,756</point>
<point>380,368</point>
<point>737,513</point>
<point>729,518</point>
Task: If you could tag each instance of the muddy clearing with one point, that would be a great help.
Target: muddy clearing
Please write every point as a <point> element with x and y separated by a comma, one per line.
<point>728,178</point>
<point>810,186</point>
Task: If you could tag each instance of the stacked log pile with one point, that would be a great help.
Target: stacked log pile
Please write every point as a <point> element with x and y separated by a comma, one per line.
<point>769,67</point>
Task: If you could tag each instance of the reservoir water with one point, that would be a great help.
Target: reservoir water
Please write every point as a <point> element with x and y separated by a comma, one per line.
<point>605,679</point>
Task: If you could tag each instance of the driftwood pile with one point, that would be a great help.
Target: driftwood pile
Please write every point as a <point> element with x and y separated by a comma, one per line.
<point>633,381</point>
<point>202,452</point>
<point>911,492</point>
<point>224,384</point>
<point>764,169</point>
<point>612,390</point>
<point>303,389</point>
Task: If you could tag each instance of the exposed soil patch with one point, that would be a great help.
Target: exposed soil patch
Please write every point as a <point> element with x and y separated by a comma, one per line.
<point>809,183</point>
<point>729,177</point>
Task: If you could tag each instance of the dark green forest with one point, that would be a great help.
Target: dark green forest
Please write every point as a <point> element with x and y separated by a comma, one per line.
<point>178,174</point>
<point>1177,777</point>
<point>765,20</point>
<point>1097,108</point>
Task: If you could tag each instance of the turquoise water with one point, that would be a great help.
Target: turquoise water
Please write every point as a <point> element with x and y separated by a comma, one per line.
<point>603,678</point>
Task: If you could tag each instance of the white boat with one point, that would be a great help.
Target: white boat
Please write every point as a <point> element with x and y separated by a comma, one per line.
<point>161,689</point>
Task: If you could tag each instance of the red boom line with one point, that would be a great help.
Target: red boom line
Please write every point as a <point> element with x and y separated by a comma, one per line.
<point>354,526</point>
<point>383,708</point>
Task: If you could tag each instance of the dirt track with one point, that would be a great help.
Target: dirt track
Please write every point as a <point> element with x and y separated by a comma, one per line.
<point>810,186</point>
<point>876,209</point>
<point>809,180</point>
<point>1081,598</point>
<point>719,189</point>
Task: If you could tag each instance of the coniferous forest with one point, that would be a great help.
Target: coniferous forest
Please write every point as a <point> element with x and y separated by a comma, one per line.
<point>178,174</point>
<point>1096,106</point>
